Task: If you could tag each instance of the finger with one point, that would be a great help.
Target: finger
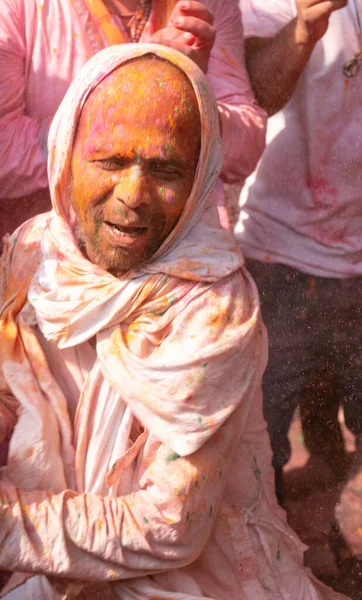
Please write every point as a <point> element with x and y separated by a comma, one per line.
<point>191,8</point>
<point>170,33</point>
<point>199,57</point>
<point>177,45</point>
<point>201,30</point>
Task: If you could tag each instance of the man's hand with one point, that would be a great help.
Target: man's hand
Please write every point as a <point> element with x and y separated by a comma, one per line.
<point>313,18</point>
<point>190,31</point>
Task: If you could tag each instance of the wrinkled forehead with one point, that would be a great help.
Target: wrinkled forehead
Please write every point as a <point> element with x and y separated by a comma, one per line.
<point>143,91</point>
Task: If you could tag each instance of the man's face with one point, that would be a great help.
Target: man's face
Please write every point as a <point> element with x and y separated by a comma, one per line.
<point>134,162</point>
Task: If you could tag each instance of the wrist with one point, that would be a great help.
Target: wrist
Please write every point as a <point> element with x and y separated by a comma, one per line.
<point>304,37</point>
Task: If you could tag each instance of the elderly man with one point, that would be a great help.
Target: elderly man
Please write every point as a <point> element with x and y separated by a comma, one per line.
<point>131,358</point>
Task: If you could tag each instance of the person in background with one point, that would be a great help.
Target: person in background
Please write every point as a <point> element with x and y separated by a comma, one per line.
<point>132,357</point>
<point>44,43</point>
<point>301,219</point>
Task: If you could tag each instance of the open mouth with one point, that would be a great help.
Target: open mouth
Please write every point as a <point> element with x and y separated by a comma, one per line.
<point>126,230</point>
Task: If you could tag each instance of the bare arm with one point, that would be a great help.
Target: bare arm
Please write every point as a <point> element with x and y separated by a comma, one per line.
<point>276,64</point>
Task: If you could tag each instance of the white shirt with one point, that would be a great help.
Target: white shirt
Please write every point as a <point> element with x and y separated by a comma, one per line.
<point>303,205</point>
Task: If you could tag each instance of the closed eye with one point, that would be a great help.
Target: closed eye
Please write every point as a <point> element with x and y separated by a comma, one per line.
<point>111,164</point>
<point>166,170</point>
<point>162,169</point>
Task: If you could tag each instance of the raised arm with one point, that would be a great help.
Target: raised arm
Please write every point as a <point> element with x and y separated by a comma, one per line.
<point>22,138</point>
<point>275,64</point>
<point>162,526</point>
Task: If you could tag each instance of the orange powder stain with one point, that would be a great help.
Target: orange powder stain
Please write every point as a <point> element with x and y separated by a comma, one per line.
<point>115,343</point>
<point>312,285</point>
<point>359,530</point>
<point>131,333</point>
<point>218,320</point>
<point>228,57</point>
<point>212,423</point>
<point>99,524</point>
<point>112,574</point>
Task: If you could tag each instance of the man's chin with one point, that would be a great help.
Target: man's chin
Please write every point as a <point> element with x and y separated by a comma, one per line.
<point>117,261</point>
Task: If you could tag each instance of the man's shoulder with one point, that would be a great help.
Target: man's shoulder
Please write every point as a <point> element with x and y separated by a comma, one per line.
<point>21,256</point>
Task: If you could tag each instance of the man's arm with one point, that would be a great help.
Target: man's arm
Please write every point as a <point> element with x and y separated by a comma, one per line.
<point>276,64</point>
<point>162,526</point>
<point>22,138</point>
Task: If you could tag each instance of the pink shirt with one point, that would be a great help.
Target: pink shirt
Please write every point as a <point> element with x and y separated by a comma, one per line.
<point>44,43</point>
<point>303,206</point>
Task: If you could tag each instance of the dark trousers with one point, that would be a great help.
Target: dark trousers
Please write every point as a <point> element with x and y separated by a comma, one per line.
<point>315,353</point>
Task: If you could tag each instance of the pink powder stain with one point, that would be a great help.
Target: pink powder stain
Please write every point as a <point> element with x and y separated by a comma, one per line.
<point>170,197</point>
<point>329,236</point>
<point>323,193</point>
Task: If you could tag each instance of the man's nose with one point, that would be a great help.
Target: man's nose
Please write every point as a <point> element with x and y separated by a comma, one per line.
<point>132,188</point>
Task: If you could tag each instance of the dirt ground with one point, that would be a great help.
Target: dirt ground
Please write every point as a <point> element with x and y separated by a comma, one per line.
<point>311,496</point>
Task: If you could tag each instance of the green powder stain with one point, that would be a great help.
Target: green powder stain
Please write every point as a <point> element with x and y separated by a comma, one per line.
<point>145,520</point>
<point>257,471</point>
<point>171,456</point>
<point>211,510</point>
<point>199,420</point>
